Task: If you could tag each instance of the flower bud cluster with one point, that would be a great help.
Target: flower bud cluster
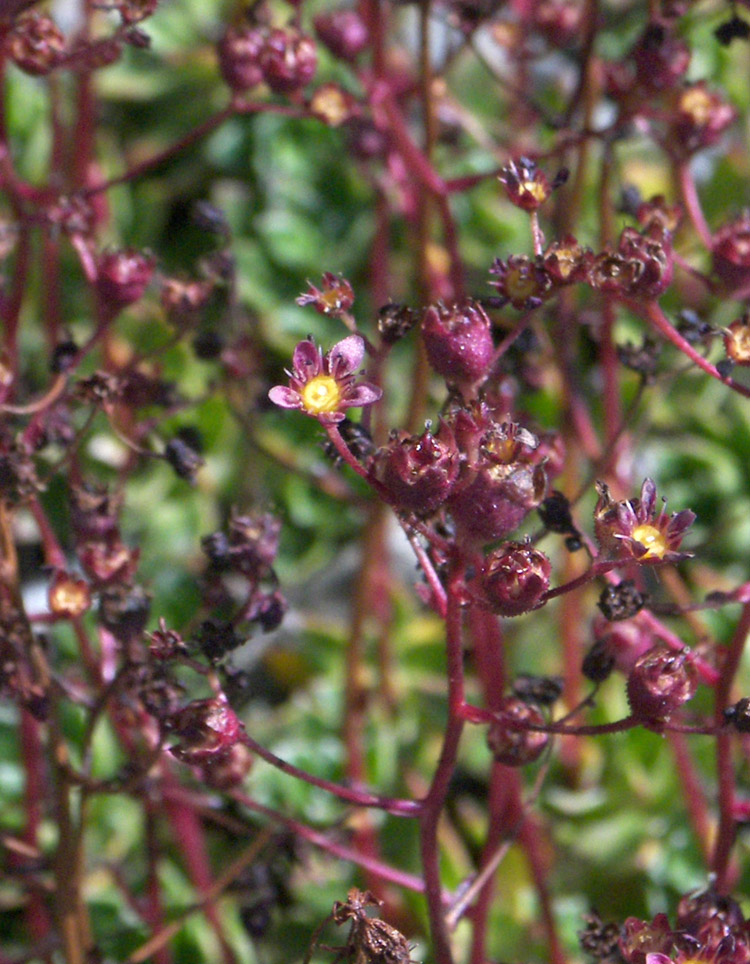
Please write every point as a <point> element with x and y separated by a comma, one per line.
<point>641,266</point>
<point>249,55</point>
<point>689,116</point>
<point>487,474</point>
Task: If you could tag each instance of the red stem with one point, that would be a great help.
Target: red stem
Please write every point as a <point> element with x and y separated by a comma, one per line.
<point>432,805</point>
<point>652,313</point>
<point>720,863</point>
<point>188,834</point>
<point>347,854</point>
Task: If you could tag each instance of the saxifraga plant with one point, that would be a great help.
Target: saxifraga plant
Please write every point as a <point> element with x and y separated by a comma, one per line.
<point>531,172</point>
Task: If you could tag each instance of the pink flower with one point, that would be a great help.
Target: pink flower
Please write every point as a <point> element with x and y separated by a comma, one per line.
<point>324,386</point>
<point>634,530</point>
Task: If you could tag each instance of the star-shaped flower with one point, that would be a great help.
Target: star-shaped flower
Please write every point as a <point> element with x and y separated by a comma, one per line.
<point>634,530</point>
<point>325,386</point>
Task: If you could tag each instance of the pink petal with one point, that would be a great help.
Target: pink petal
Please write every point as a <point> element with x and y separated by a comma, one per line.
<point>346,356</point>
<point>307,359</point>
<point>680,522</point>
<point>285,397</point>
<point>648,499</point>
<point>359,395</point>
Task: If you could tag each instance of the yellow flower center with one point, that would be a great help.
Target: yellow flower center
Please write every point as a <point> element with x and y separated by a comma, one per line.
<point>653,540</point>
<point>566,259</point>
<point>331,299</point>
<point>697,103</point>
<point>520,284</point>
<point>536,188</point>
<point>738,342</point>
<point>321,395</point>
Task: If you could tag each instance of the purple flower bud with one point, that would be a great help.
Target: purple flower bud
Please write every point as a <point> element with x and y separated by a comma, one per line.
<point>239,57</point>
<point>35,44</point>
<point>123,277</point>
<point>343,32</point>
<point>660,57</point>
<point>206,729</point>
<point>505,483</point>
<point>514,578</point>
<point>458,340</point>
<point>659,683</point>
<point>494,504</point>
<point>731,253</point>
<point>288,60</point>
<point>419,471</point>
<point>509,742</point>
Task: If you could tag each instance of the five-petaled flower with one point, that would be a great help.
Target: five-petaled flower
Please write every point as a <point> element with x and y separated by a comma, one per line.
<point>634,530</point>
<point>325,386</point>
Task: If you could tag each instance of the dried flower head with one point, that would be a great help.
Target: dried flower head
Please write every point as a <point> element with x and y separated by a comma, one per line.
<point>621,601</point>
<point>701,117</point>
<point>370,940</point>
<point>737,340</point>
<point>68,597</point>
<point>661,58</point>
<point>521,280</point>
<point>514,579</point>
<point>567,261</point>
<point>206,729</point>
<point>659,683</point>
<point>334,297</point>
<point>539,690</point>
<point>325,386</point>
<point>35,44</point>
<point>509,737</point>
<point>396,321</point>
<point>419,471</point>
<point>165,644</point>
